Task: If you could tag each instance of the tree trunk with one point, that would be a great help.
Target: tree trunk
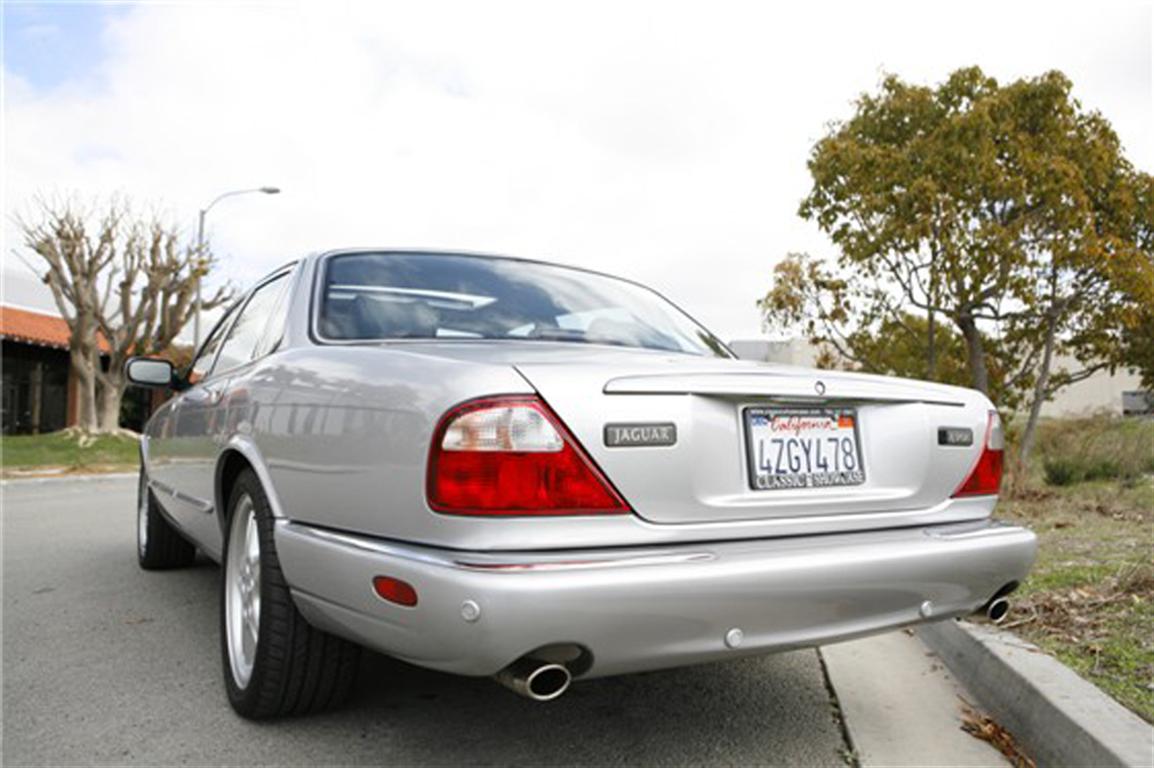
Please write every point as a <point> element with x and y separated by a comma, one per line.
<point>1041,384</point>
<point>932,348</point>
<point>932,319</point>
<point>975,354</point>
<point>110,396</point>
<point>84,370</point>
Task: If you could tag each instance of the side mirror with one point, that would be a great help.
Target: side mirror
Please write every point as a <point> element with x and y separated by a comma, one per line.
<point>150,372</point>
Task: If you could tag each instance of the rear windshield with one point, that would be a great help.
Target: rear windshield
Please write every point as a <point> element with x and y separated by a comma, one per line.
<point>438,296</point>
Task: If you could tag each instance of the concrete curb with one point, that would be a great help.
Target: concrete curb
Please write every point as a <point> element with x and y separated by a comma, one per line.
<point>1059,718</point>
<point>78,477</point>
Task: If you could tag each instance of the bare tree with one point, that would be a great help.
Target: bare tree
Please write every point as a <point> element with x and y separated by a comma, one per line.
<point>123,285</point>
<point>73,259</point>
<point>150,299</point>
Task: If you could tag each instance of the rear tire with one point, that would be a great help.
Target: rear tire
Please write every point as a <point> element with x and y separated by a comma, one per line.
<point>159,546</point>
<point>275,662</point>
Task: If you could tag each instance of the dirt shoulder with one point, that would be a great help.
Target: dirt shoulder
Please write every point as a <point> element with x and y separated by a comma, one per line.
<point>1090,599</point>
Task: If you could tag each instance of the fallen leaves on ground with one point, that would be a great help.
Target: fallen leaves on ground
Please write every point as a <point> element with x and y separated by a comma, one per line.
<point>1030,493</point>
<point>1076,614</point>
<point>982,727</point>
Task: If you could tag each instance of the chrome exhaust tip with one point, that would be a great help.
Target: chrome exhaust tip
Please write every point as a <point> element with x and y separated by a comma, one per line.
<point>535,679</point>
<point>997,610</point>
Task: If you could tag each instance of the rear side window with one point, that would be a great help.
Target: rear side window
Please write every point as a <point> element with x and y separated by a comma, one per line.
<point>203,362</point>
<point>244,341</point>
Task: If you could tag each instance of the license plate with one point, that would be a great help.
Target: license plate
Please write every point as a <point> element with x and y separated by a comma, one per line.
<point>802,448</point>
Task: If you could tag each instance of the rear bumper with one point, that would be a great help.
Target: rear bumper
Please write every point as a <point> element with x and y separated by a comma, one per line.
<point>639,609</point>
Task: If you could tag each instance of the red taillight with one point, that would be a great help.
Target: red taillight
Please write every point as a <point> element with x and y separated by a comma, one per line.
<point>512,456</point>
<point>395,591</point>
<point>985,479</point>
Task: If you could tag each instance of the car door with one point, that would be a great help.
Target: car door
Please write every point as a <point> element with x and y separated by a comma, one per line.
<point>174,464</point>
<point>204,423</point>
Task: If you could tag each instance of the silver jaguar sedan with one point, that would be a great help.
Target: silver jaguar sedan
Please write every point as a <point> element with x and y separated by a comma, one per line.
<point>495,466</point>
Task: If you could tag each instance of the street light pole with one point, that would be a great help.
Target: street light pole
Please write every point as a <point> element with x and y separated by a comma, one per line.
<point>200,250</point>
<point>199,257</point>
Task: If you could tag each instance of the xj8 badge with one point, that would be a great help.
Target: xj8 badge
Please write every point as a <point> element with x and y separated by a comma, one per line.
<point>636,435</point>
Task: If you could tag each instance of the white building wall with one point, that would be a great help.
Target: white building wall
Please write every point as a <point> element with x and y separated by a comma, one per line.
<point>1101,392</point>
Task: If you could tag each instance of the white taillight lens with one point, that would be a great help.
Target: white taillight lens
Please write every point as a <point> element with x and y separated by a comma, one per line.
<point>512,428</point>
<point>995,435</point>
<point>985,478</point>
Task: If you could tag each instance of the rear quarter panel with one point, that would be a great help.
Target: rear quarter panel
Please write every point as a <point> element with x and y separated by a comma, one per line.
<point>344,431</point>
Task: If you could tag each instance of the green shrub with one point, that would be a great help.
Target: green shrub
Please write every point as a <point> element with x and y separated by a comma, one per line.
<point>1102,469</point>
<point>1060,472</point>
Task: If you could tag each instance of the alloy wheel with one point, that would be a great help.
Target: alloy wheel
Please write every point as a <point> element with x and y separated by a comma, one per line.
<point>242,591</point>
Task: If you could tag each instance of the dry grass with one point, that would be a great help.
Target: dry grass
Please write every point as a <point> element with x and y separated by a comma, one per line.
<point>1095,448</point>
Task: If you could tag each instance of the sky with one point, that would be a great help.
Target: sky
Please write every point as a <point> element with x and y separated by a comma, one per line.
<point>661,141</point>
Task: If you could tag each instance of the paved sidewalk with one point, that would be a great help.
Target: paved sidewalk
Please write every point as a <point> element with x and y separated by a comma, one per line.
<point>900,704</point>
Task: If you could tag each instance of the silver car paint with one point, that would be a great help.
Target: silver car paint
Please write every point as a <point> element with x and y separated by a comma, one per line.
<point>640,609</point>
<point>365,424</point>
<point>187,437</point>
<point>339,435</point>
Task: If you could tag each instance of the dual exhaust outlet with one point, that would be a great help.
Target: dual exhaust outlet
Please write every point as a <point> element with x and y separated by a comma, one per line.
<point>542,680</point>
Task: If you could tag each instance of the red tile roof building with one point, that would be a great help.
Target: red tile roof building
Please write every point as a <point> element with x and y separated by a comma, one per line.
<point>39,328</point>
<point>40,392</point>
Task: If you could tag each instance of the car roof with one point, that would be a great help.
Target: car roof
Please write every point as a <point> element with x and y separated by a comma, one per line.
<point>435,252</point>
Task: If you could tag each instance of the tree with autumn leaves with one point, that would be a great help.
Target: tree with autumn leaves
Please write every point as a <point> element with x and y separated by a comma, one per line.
<point>983,231</point>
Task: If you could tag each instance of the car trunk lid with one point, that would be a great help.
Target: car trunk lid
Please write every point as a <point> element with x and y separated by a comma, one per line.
<point>709,467</point>
<point>704,478</point>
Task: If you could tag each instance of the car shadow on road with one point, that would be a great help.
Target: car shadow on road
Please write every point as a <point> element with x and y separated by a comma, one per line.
<point>107,664</point>
<point>773,709</point>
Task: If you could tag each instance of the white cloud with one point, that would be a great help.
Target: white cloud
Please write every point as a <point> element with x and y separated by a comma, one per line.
<point>660,141</point>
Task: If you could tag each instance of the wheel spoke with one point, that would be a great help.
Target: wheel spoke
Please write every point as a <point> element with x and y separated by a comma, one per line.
<point>242,593</point>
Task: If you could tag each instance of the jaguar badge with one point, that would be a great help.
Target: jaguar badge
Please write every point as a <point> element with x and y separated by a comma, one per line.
<point>640,434</point>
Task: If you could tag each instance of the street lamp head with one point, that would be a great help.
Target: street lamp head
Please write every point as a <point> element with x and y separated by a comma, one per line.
<point>200,245</point>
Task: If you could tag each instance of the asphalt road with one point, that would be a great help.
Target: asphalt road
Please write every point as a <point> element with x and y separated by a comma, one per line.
<point>105,663</point>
